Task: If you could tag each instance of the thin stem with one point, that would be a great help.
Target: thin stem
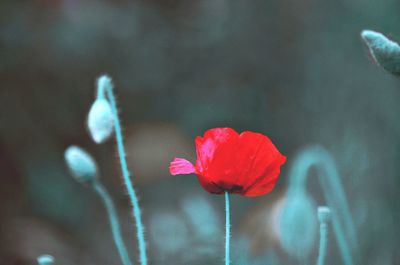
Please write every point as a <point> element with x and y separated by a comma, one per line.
<point>102,83</point>
<point>114,222</point>
<point>324,216</point>
<point>227,229</point>
<point>126,176</point>
<point>323,242</point>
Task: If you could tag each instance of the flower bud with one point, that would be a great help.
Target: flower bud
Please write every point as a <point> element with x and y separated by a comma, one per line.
<point>45,260</point>
<point>100,120</point>
<point>385,52</point>
<point>81,164</point>
<point>298,224</point>
<point>324,214</point>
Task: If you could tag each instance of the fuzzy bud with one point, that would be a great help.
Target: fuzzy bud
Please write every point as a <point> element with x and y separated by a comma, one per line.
<point>81,164</point>
<point>298,224</point>
<point>45,260</point>
<point>385,52</point>
<point>100,120</point>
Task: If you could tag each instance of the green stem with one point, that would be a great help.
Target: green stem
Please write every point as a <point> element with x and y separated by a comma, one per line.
<point>323,240</point>
<point>227,229</point>
<point>114,222</point>
<point>105,84</point>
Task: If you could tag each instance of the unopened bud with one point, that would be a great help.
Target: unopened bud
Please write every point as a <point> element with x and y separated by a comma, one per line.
<point>81,164</point>
<point>385,52</point>
<point>45,260</point>
<point>298,224</point>
<point>100,120</point>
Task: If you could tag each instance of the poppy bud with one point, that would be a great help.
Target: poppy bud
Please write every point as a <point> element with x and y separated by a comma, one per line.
<point>324,214</point>
<point>81,164</point>
<point>45,260</point>
<point>385,52</point>
<point>100,120</point>
<point>298,224</point>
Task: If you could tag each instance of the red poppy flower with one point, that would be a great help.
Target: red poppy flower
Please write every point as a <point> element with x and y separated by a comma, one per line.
<point>247,163</point>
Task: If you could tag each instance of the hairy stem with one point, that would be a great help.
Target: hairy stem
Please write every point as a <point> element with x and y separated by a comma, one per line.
<point>114,222</point>
<point>126,176</point>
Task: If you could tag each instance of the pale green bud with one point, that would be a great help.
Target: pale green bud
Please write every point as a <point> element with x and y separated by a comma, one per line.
<point>81,164</point>
<point>385,52</point>
<point>100,120</point>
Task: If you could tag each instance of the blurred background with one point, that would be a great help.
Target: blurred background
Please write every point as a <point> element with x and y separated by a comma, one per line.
<point>296,71</point>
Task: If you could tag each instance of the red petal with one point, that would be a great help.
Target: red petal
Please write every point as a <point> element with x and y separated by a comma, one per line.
<point>181,166</point>
<point>206,146</point>
<point>223,168</point>
<point>248,165</point>
<point>267,182</point>
<point>264,161</point>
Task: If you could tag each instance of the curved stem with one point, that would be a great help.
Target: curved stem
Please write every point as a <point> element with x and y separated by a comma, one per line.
<point>125,172</point>
<point>114,222</point>
<point>342,223</point>
<point>227,229</point>
<point>102,83</point>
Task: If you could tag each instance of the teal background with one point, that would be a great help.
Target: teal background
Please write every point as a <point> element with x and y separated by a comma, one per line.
<point>296,71</point>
